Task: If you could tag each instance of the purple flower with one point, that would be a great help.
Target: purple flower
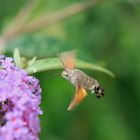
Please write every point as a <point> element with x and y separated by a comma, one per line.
<point>19,103</point>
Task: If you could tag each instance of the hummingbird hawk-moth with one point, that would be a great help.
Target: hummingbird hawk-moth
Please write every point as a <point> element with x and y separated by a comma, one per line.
<point>79,79</point>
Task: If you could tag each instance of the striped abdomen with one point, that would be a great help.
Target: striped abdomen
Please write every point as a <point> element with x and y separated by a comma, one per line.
<point>88,83</point>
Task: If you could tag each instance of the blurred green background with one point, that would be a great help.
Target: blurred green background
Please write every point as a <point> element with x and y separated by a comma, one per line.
<point>107,34</point>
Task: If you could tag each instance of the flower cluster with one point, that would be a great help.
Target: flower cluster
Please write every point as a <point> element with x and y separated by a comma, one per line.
<point>19,103</point>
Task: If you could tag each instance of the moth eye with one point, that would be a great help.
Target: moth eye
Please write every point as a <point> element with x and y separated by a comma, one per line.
<point>64,74</point>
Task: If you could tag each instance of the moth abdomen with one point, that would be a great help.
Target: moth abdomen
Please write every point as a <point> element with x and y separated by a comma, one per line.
<point>99,92</point>
<point>96,88</point>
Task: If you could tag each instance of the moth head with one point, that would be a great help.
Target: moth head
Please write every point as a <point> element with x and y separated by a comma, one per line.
<point>67,60</point>
<point>66,74</point>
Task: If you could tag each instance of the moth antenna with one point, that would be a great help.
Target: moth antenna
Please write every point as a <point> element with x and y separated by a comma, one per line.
<point>58,55</point>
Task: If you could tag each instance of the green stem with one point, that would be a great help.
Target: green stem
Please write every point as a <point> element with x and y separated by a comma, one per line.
<point>54,63</point>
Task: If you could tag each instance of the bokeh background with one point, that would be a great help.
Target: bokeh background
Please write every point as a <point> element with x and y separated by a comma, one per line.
<point>106,33</point>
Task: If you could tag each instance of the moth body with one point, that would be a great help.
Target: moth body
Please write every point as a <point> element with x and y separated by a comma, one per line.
<point>76,76</point>
<point>79,79</point>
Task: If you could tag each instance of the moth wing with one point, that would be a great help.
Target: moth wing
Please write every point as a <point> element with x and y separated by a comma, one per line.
<point>67,59</point>
<point>80,94</point>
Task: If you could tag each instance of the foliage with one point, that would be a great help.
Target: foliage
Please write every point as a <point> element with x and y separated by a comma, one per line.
<point>105,35</point>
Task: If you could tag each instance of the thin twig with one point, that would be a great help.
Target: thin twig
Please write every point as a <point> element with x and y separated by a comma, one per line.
<point>19,20</point>
<point>53,18</point>
<point>57,16</point>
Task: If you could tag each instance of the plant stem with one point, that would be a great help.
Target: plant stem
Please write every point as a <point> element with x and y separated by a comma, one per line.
<point>18,26</point>
<point>19,20</point>
<point>57,16</point>
<point>54,63</point>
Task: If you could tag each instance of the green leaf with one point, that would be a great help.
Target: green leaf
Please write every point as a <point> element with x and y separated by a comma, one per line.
<point>17,58</point>
<point>86,65</point>
<point>31,61</point>
<point>54,63</point>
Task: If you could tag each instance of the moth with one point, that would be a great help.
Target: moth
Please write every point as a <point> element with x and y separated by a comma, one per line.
<point>79,79</point>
